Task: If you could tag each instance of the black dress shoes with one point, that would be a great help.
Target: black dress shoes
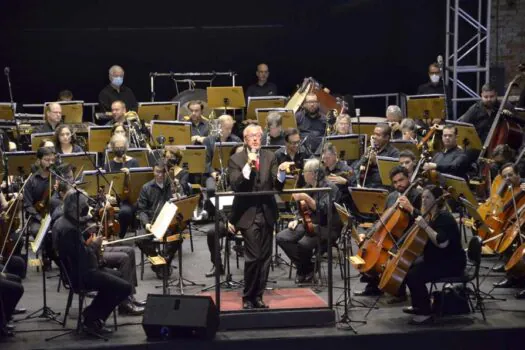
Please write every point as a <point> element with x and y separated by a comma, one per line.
<point>128,308</point>
<point>212,272</point>
<point>410,310</point>
<point>368,292</point>
<point>19,311</point>
<point>505,283</point>
<point>259,304</point>
<point>520,294</point>
<point>247,305</point>
<point>96,327</point>
<point>136,302</point>
<point>499,267</point>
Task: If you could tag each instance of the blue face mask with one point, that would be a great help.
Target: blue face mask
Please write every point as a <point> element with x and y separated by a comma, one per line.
<point>117,81</point>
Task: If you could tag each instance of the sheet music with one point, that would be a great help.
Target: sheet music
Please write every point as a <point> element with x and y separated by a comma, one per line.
<point>226,201</point>
<point>161,224</point>
<point>35,245</point>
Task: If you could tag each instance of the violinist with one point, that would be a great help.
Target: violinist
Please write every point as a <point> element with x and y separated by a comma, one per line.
<point>153,195</point>
<point>53,118</point>
<point>17,264</point>
<point>408,129</point>
<point>399,176</point>
<point>452,160</point>
<point>274,134</point>
<point>199,128</point>
<point>311,123</point>
<point>380,147</point>
<point>443,255</point>
<point>292,153</point>
<point>82,264</point>
<point>294,241</point>
<point>394,116</point>
<point>64,142</point>
<point>122,162</point>
<point>337,172</point>
<point>408,160</point>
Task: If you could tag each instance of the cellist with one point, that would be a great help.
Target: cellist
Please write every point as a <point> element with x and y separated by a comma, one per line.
<point>443,255</point>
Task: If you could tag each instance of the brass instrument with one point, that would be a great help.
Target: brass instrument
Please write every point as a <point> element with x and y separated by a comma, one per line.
<point>135,129</point>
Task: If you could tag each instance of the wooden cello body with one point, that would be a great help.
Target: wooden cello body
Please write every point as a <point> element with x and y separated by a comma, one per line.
<point>511,232</point>
<point>515,267</point>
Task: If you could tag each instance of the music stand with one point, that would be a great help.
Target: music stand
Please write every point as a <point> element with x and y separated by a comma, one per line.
<point>225,97</point>
<point>272,148</point>
<point>385,165</point>
<point>192,156</point>
<point>7,111</point>
<point>349,147</point>
<point>175,133</point>
<point>426,107</point>
<point>402,145</point>
<point>263,102</point>
<point>221,154</point>
<point>149,111</point>
<point>287,117</point>
<point>36,138</point>
<point>98,138</point>
<point>91,183</point>
<point>72,111</point>
<point>140,154</point>
<point>366,125</point>
<point>78,160</point>
<point>19,163</point>
<point>369,200</point>
<point>458,187</point>
<point>467,135</point>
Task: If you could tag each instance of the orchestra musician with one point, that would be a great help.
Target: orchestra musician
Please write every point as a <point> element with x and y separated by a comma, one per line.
<point>65,95</point>
<point>274,135</point>
<point>294,241</point>
<point>53,118</point>
<point>311,123</point>
<point>255,170</point>
<point>11,291</point>
<point>399,176</point>
<point>408,130</point>
<point>501,155</point>
<point>408,160</point>
<point>199,128</point>
<point>380,147</point>
<point>153,195</point>
<point>116,91</point>
<point>343,124</point>
<point>263,87</point>
<point>394,116</point>
<point>293,152</point>
<point>81,262</point>
<point>64,143</point>
<point>337,172</point>
<point>443,255</point>
<point>452,160</point>
<point>118,113</point>
<point>121,162</point>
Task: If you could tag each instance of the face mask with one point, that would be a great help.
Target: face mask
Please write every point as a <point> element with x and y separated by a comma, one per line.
<point>117,81</point>
<point>434,78</point>
<point>119,152</point>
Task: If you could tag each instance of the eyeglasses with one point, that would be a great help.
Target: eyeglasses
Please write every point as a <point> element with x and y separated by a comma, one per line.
<point>294,143</point>
<point>254,136</point>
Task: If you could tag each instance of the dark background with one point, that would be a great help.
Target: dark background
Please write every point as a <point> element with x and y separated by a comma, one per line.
<point>352,46</point>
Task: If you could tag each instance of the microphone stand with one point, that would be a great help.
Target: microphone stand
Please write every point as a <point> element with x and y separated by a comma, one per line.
<point>441,75</point>
<point>6,72</point>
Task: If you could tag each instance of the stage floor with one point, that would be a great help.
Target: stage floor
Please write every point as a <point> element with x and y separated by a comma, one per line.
<point>386,325</point>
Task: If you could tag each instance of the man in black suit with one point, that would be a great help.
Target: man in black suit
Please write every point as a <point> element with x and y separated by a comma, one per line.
<point>255,170</point>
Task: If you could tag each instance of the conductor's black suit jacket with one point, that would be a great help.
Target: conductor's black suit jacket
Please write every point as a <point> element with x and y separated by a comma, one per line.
<point>244,208</point>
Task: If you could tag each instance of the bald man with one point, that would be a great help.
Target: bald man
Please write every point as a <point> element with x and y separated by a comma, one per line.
<point>116,91</point>
<point>53,118</point>
<point>263,87</point>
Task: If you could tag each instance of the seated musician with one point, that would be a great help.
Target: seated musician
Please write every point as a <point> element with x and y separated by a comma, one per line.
<point>263,87</point>
<point>81,262</point>
<point>408,129</point>
<point>337,172</point>
<point>153,195</point>
<point>225,123</point>
<point>410,202</point>
<point>293,152</point>
<point>116,91</point>
<point>452,160</point>
<point>343,124</point>
<point>408,160</point>
<point>311,123</point>
<point>179,174</point>
<point>118,113</point>
<point>11,291</point>
<point>502,154</point>
<point>394,117</point>
<point>53,118</point>
<point>380,147</point>
<point>274,130</point>
<point>294,241</point>
<point>64,143</point>
<point>443,255</point>
<point>16,264</point>
<point>65,95</point>
<point>199,127</point>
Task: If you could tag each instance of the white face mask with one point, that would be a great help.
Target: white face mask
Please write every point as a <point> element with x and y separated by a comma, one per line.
<point>434,78</point>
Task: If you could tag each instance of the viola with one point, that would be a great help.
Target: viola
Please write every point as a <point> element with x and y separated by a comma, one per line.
<point>306,215</point>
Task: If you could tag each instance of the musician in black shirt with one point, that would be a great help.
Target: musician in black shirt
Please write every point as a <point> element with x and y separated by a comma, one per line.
<point>292,153</point>
<point>115,90</point>
<point>199,127</point>
<point>452,160</point>
<point>394,116</point>
<point>311,123</point>
<point>53,118</point>
<point>263,87</point>
<point>338,172</point>
<point>273,134</point>
<point>443,255</point>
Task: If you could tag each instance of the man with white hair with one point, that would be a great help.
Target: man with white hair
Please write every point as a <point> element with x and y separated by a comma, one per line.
<point>53,117</point>
<point>255,170</point>
<point>116,91</point>
<point>394,116</point>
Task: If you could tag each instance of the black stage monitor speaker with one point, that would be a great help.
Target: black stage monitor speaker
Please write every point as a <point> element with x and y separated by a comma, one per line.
<point>169,316</point>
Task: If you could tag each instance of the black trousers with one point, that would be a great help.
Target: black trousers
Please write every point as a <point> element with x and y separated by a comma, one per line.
<point>422,272</point>
<point>122,258</point>
<point>11,291</point>
<point>257,257</point>
<point>125,217</point>
<point>111,291</point>
<point>16,266</point>
<point>210,238</point>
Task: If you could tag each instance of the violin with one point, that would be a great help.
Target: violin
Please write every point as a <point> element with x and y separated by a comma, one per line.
<point>9,223</point>
<point>306,215</point>
<point>42,205</point>
<point>109,226</point>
